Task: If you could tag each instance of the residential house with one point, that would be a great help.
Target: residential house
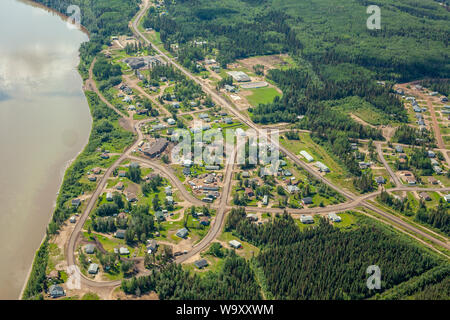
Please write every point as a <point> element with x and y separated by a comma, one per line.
<point>307,201</point>
<point>152,246</point>
<point>235,244</point>
<point>322,167</point>
<point>425,196</point>
<point>306,219</point>
<point>159,215</point>
<point>124,251</point>
<point>182,233</point>
<point>252,217</point>
<point>204,221</point>
<point>93,268</point>
<point>380,180</point>
<point>208,199</point>
<point>120,186</point>
<point>169,200</point>
<point>76,203</point>
<point>334,217</point>
<point>292,189</point>
<point>249,192</point>
<point>398,149</point>
<point>120,234</point>
<point>131,197</point>
<point>287,173</point>
<point>56,291</point>
<point>89,248</point>
<point>411,180</point>
<point>437,169</point>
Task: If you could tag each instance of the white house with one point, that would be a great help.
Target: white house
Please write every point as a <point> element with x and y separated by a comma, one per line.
<point>235,244</point>
<point>306,219</point>
<point>334,217</point>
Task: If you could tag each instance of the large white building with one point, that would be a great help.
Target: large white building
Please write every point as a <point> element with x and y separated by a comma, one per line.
<point>307,156</point>
<point>239,76</point>
<point>322,167</point>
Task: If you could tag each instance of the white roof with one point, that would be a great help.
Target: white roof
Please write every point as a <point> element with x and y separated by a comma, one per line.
<point>234,243</point>
<point>306,218</point>
<point>306,155</point>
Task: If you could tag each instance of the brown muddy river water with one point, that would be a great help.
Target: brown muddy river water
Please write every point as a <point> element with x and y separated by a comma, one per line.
<point>44,123</point>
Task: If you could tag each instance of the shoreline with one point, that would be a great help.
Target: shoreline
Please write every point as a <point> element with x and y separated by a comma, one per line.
<point>61,15</point>
<point>68,163</point>
<point>63,171</point>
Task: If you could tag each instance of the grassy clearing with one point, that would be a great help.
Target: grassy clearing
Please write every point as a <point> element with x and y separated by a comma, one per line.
<point>262,95</point>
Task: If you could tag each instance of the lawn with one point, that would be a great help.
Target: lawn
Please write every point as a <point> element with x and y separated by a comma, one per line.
<point>247,250</point>
<point>337,175</point>
<point>262,95</point>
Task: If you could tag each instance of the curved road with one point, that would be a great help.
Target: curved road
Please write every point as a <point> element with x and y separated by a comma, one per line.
<point>221,101</point>
<point>222,208</point>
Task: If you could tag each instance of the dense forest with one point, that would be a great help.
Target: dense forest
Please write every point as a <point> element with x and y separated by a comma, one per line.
<point>322,31</point>
<point>235,281</point>
<point>325,262</point>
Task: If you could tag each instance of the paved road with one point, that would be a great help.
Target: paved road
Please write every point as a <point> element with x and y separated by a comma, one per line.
<point>224,103</point>
<point>219,220</point>
<point>221,101</point>
<point>222,208</point>
<point>168,173</point>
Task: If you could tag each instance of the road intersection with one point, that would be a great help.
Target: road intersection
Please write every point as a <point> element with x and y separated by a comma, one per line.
<point>353,200</point>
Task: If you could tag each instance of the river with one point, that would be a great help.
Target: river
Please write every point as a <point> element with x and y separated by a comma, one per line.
<point>44,124</point>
